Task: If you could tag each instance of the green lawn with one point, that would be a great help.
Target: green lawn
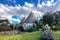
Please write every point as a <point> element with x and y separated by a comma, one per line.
<point>29,36</point>
<point>57,34</point>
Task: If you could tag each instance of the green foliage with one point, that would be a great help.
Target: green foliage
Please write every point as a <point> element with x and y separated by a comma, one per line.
<point>56,28</point>
<point>48,18</point>
<point>30,30</point>
<point>1,21</point>
<point>39,24</point>
<point>51,19</point>
<point>57,34</point>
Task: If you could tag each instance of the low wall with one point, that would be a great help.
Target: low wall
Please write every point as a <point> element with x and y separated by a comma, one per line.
<point>9,32</point>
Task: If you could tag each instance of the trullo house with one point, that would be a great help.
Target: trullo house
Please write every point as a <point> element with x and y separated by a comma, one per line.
<point>27,23</point>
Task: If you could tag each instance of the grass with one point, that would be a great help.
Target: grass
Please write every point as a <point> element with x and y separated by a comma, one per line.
<point>28,36</point>
<point>57,34</point>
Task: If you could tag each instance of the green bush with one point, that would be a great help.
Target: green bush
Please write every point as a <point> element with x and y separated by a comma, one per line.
<point>56,28</point>
<point>31,29</point>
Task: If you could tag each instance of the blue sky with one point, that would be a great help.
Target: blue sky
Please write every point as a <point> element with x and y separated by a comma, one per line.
<point>22,2</point>
<point>15,10</point>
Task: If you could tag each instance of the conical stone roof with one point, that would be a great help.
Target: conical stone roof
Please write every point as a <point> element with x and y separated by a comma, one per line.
<point>30,19</point>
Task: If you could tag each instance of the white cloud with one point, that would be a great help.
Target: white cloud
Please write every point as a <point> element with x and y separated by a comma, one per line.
<point>13,19</point>
<point>52,0</point>
<point>8,11</point>
<point>43,3</point>
<point>9,17</point>
<point>37,13</point>
<point>29,5</point>
<point>49,3</point>
<point>39,5</point>
<point>50,6</point>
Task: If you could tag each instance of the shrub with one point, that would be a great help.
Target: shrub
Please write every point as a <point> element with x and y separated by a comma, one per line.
<point>30,30</point>
<point>47,35</point>
<point>56,28</point>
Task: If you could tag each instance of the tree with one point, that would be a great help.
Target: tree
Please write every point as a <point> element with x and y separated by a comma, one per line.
<point>39,24</point>
<point>49,19</point>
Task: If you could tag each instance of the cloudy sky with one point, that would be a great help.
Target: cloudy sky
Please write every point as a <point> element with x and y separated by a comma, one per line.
<point>15,10</point>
